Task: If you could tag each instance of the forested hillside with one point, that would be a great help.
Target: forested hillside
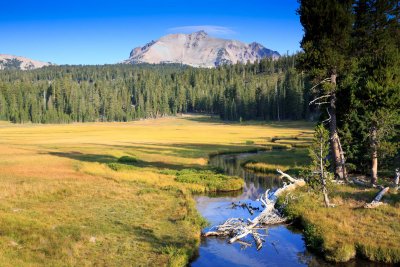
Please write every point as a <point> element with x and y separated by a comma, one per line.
<point>266,90</point>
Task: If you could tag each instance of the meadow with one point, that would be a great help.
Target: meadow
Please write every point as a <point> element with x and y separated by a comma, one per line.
<point>348,230</point>
<point>115,194</point>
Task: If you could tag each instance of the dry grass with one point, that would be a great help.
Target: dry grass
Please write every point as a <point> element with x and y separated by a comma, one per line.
<point>348,230</point>
<point>61,204</point>
<point>291,161</point>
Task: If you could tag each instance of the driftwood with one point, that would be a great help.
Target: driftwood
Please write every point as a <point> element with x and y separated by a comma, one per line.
<point>249,208</point>
<point>236,228</point>
<point>377,200</point>
<point>360,183</point>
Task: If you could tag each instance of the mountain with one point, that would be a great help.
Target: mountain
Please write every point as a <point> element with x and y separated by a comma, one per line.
<point>10,62</point>
<point>198,49</point>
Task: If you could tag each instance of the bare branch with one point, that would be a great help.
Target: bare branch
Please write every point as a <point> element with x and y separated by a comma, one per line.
<point>321,103</point>
<point>238,228</point>
<point>328,119</point>
<point>321,82</point>
<point>318,98</point>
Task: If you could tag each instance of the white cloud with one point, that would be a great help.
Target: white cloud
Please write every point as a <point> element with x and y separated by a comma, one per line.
<point>211,29</point>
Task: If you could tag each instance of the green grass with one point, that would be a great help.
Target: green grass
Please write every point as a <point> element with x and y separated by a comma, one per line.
<point>348,230</point>
<point>212,181</point>
<point>207,180</point>
<point>113,194</point>
<point>292,161</point>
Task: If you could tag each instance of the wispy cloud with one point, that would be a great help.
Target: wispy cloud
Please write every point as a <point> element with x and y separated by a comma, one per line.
<point>211,29</point>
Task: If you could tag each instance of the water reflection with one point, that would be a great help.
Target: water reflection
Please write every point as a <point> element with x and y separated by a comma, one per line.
<point>255,183</point>
<point>283,247</point>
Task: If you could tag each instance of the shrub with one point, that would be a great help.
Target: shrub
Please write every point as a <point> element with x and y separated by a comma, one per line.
<point>127,160</point>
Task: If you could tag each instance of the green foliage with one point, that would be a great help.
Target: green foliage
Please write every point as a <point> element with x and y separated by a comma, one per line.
<point>267,90</point>
<point>127,160</point>
<point>372,98</point>
<point>318,152</point>
<point>211,180</point>
<point>327,28</point>
<point>313,237</point>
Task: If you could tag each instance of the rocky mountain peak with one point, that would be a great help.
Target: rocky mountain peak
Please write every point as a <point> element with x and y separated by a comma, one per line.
<point>198,49</point>
<point>11,62</point>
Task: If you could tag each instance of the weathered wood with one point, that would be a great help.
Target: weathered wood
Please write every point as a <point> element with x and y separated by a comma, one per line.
<point>211,233</point>
<point>299,182</point>
<point>237,228</point>
<point>377,200</point>
<point>257,239</point>
<point>244,243</point>
<point>360,183</point>
<point>249,209</point>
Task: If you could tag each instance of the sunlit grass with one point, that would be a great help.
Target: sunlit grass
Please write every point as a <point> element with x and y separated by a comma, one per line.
<point>348,229</point>
<point>63,203</point>
<point>287,160</point>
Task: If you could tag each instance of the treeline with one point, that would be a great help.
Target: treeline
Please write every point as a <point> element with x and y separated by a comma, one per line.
<point>266,90</point>
<point>351,51</point>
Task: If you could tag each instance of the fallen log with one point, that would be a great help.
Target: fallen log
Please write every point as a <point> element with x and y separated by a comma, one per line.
<point>257,239</point>
<point>238,228</point>
<point>377,200</point>
<point>244,205</point>
<point>249,209</point>
<point>360,183</point>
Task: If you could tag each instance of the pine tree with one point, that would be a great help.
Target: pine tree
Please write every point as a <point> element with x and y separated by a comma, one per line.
<point>376,93</point>
<point>327,27</point>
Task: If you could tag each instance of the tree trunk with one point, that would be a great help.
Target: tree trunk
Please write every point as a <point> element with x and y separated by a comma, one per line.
<point>374,156</point>
<point>337,154</point>
<point>326,198</point>
<point>323,178</point>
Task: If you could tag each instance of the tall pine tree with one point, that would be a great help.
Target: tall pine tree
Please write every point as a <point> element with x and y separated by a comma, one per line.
<point>327,27</point>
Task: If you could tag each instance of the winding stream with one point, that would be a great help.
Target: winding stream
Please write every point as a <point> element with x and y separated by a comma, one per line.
<point>283,246</point>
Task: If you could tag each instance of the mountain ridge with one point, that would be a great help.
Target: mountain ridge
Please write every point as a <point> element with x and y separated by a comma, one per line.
<point>12,62</point>
<point>198,49</point>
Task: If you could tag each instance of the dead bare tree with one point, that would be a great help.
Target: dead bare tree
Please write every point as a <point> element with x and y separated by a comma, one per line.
<point>396,179</point>
<point>237,228</point>
<point>319,151</point>
<point>339,162</point>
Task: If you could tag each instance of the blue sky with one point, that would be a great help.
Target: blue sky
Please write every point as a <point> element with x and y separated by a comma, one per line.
<point>98,32</point>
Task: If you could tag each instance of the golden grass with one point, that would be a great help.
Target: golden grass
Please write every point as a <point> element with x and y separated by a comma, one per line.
<point>61,204</point>
<point>348,229</point>
<point>291,161</point>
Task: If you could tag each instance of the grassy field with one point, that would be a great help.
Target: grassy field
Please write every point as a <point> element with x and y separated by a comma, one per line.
<point>114,194</point>
<point>348,230</point>
<point>343,232</point>
<point>289,154</point>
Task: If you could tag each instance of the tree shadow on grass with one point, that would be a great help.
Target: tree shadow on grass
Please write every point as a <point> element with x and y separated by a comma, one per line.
<point>214,119</point>
<point>159,243</point>
<point>101,158</point>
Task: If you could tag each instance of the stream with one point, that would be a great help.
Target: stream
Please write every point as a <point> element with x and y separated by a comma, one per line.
<point>283,246</point>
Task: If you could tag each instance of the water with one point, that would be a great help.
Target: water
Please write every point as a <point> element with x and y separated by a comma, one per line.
<point>283,246</point>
